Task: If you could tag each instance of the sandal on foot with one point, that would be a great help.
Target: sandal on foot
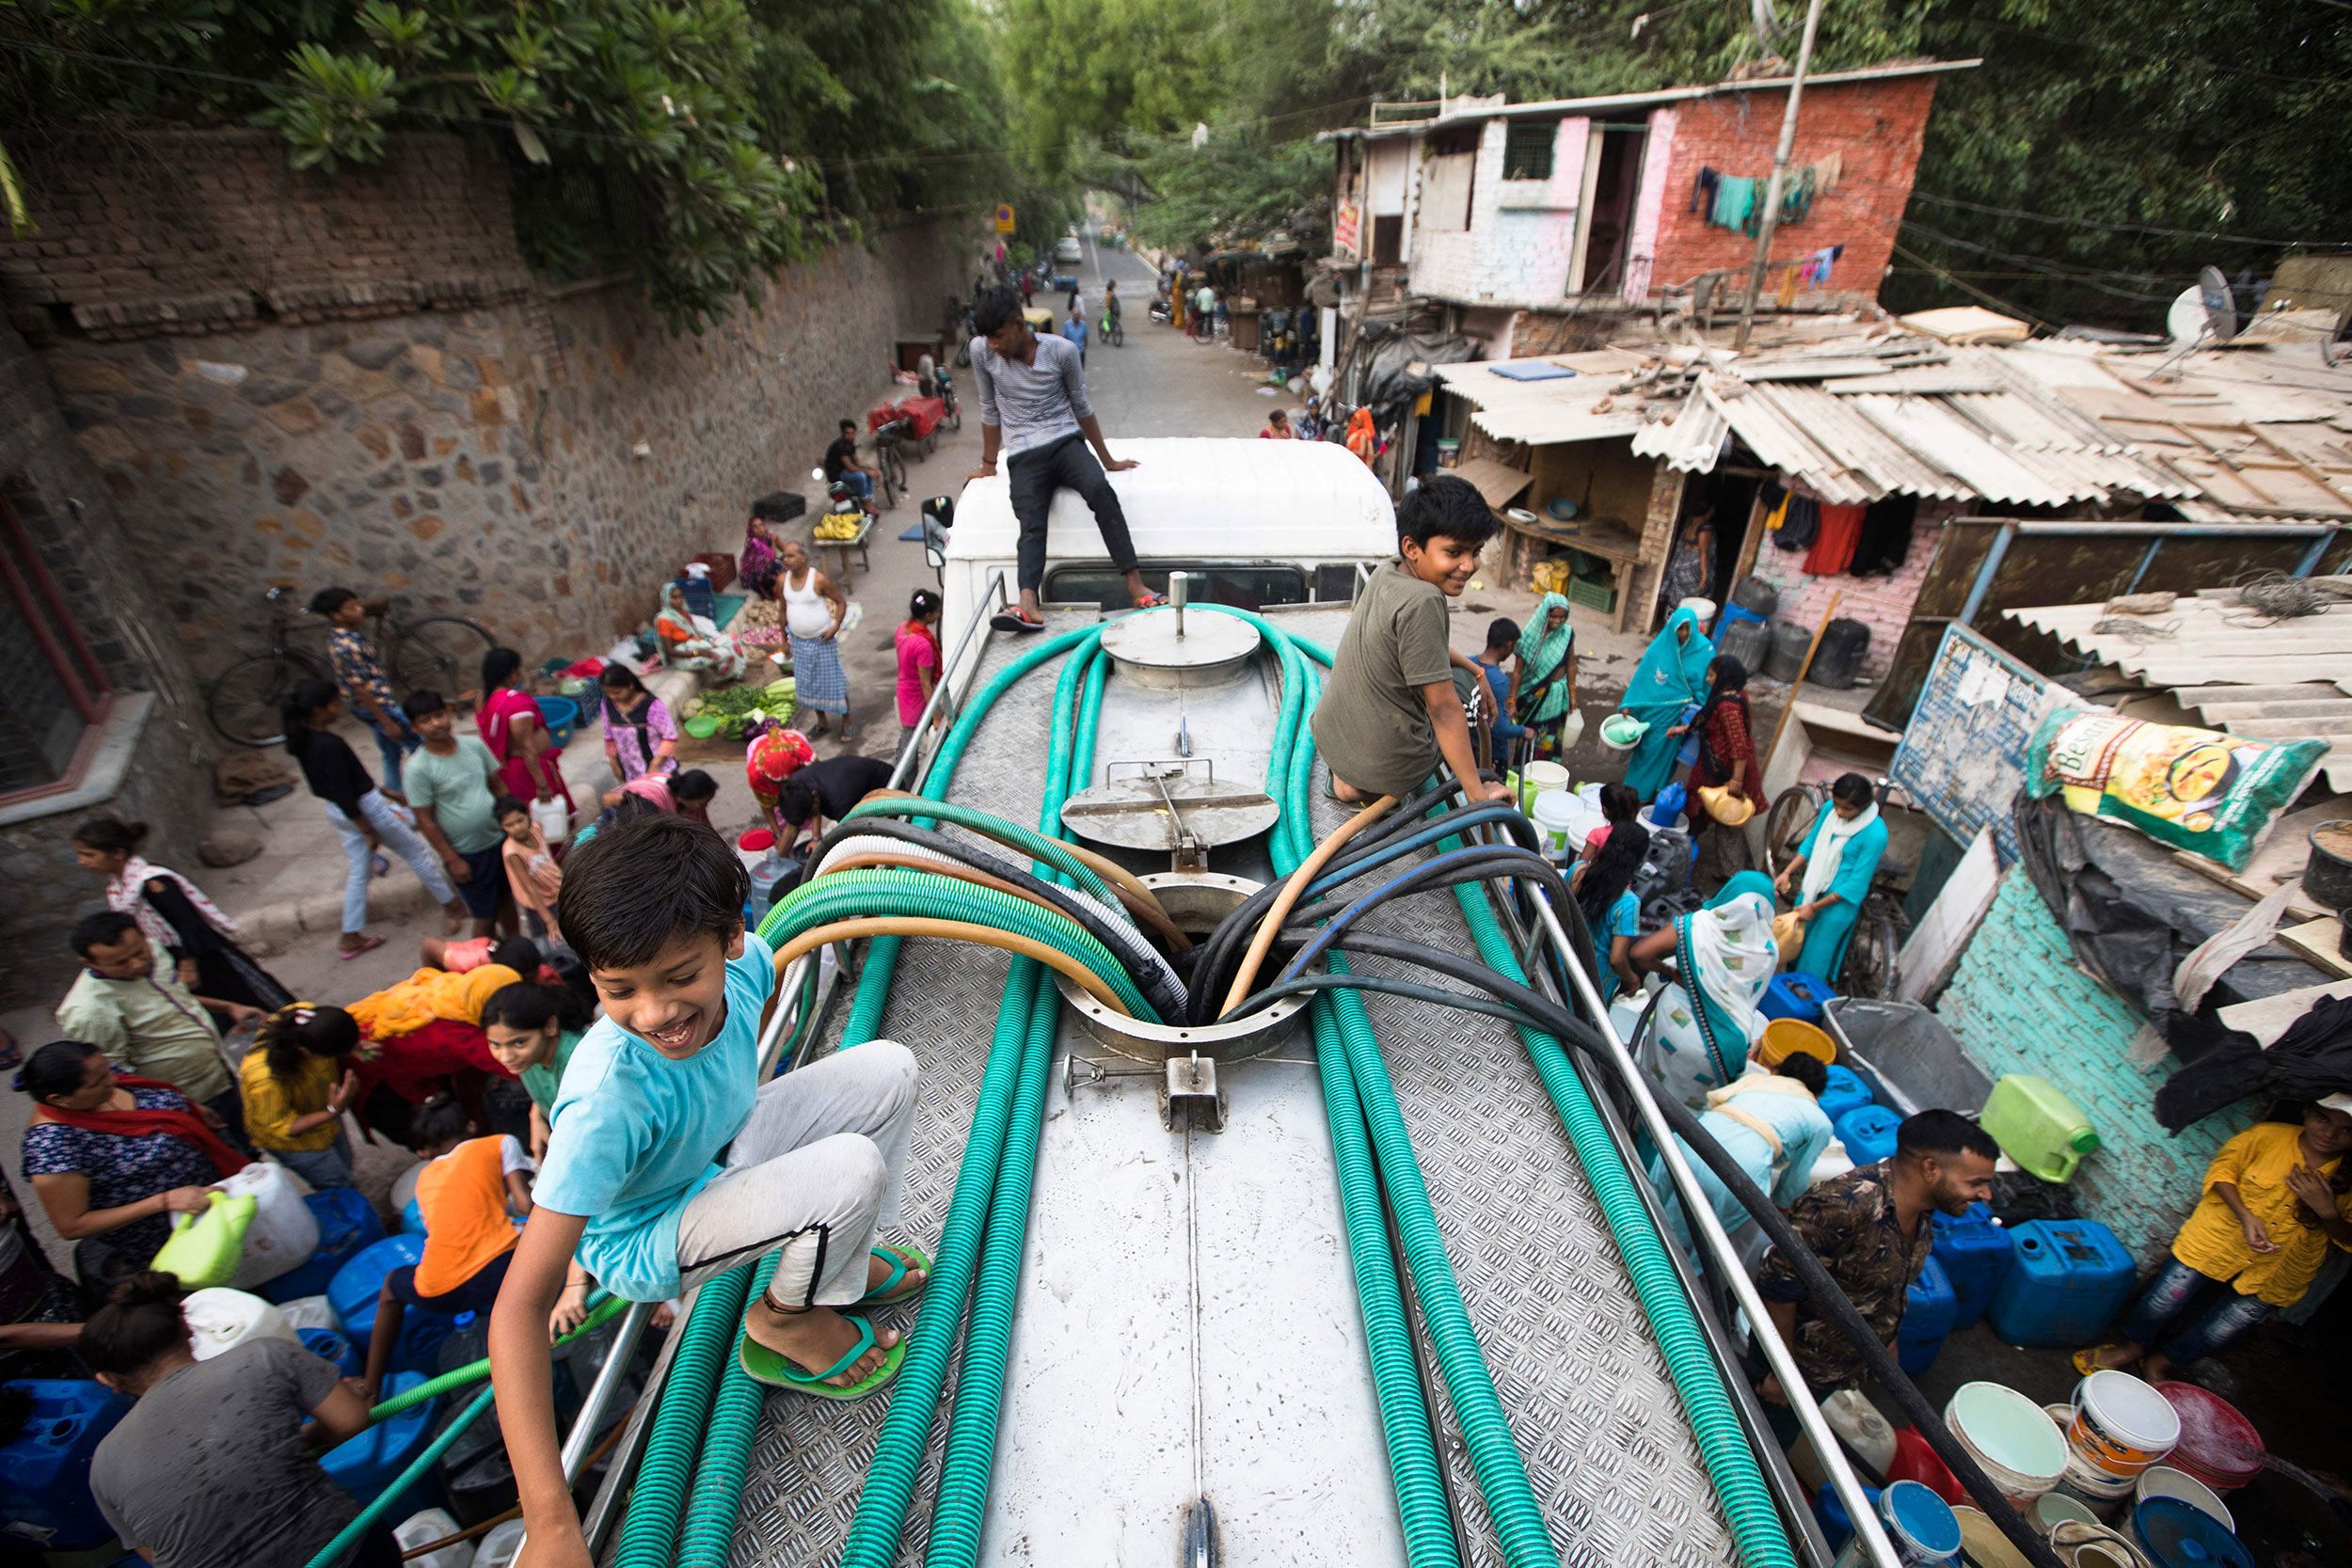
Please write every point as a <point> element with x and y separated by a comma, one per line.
<point>367,945</point>
<point>902,1260</point>
<point>1014,620</point>
<point>2088,1361</point>
<point>1149,601</point>
<point>762,1365</point>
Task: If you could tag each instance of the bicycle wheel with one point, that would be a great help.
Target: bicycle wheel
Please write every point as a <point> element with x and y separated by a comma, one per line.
<point>245,704</point>
<point>894,476</point>
<point>1785,825</point>
<point>1871,969</point>
<point>440,652</point>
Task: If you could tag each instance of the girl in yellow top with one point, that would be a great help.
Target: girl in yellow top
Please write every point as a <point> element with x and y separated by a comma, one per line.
<point>297,1082</point>
<point>2274,1202</point>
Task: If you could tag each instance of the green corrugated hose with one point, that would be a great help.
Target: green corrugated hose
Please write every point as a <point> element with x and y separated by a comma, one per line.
<point>960,1505</point>
<point>1731,1464</point>
<point>1747,1504</point>
<point>1039,847</point>
<point>707,1535</point>
<point>892,1473</point>
<point>349,1535</point>
<point>706,1349</point>
<point>1344,1043</point>
<point>603,1309</point>
<point>850,894</point>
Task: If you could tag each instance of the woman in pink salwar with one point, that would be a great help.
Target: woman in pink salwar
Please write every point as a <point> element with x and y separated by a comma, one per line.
<point>530,766</point>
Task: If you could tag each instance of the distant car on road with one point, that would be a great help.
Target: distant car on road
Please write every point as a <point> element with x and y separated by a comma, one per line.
<point>1066,251</point>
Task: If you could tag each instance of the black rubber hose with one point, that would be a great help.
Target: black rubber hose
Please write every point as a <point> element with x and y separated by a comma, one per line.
<point>1474,865</point>
<point>1121,942</point>
<point>1548,1017</point>
<point>1223,947</point>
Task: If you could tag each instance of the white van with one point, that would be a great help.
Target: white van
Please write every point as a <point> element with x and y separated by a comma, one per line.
<point>1258,524</point>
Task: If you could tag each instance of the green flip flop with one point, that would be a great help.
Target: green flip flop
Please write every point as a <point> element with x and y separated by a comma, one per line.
<point>902,1259</point>
<point>762,1365</point>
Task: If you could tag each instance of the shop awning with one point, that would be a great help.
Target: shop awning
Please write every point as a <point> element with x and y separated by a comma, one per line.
<point>1499,482</point>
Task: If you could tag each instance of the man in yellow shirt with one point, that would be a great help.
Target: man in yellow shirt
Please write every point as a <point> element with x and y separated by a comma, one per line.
<point>129,1003</point>
<point>2275,1200</point>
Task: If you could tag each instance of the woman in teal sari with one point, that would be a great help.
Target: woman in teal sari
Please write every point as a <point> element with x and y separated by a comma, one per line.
<point>1672,678</point>
<point>1723,958</point>
<point>1835,864</point>
<point>1547,674</point>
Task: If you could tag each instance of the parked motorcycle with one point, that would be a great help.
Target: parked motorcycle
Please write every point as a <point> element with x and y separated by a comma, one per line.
<point>947,396</point>
<point>1161,312</point>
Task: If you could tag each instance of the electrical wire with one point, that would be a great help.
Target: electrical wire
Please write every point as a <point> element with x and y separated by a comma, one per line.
<point>2064,221</point>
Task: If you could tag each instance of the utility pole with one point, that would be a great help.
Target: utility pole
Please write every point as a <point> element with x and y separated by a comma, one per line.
<point>1780,177</point>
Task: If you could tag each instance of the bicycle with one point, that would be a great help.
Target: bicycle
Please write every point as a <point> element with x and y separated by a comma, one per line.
<point>1112,332</point>
<point>442,652</point>
<point>890,465</point>
<point>1868,969</point>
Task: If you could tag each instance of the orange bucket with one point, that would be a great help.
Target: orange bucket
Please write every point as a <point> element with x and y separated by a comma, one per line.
<point>1785,1037</point>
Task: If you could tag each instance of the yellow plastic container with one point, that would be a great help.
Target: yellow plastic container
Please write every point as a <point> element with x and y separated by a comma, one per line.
<point>1788,1036</point>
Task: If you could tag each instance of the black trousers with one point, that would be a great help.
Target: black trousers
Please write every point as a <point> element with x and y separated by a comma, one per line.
<point>1035,475</point>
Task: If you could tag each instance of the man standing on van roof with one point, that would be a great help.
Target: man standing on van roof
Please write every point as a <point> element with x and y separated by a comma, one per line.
<point>1034,410</point>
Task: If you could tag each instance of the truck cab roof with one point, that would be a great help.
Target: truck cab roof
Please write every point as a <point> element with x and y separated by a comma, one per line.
<point>1240,499</point>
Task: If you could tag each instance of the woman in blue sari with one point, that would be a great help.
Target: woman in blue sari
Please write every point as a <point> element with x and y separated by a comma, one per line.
<point>1723,958</point>
<point>1835,864</point>
<point>1671,679</point>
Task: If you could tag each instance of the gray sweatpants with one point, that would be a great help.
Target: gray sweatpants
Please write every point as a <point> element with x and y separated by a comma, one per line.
<point>812,1176</point>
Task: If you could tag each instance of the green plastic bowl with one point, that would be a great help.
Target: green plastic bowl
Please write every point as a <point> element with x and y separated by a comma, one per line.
<point>702,726</point>
<point>1622,731</point>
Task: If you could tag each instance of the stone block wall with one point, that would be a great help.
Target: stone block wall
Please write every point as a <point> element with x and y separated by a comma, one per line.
<point>1882,603</point>
<point>539,461</point>
<point>1876,127</point>
<point>2019,1005</point>
<point>72,526</point>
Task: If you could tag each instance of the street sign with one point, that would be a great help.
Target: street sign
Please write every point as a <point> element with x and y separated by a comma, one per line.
<point>1004,217</point>
<point>1345,227</point>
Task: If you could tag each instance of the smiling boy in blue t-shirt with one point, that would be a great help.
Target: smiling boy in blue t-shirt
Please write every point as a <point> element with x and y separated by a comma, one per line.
<point>669,1161</point>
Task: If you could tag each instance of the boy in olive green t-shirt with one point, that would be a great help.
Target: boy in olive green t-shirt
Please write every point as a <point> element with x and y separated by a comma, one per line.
<point>1390,711</point>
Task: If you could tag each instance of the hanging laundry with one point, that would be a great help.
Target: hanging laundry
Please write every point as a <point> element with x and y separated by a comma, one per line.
<point>1832,551</point>
<point>1828,171</point>
<point>1801,522</point>
<point>1703,192</point>
<point>1886,541</point>
<point>1813,271</point>
<point>1774,502</point>
<point>1736,203</point>
<point>1790,272</point>
<point>1796,194</point>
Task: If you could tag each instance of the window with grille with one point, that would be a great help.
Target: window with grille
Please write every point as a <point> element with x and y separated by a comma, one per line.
<point>1527,148</point>
<point>51,690</point>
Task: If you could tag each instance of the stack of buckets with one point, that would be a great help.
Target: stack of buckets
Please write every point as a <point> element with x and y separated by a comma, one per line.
<point>2120,1425</point>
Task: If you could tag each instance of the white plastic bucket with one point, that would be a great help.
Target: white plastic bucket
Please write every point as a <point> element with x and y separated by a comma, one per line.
<point>221,1319</point>
<point>1561,824</point>
<point>498,1549</point>
<point>2009,1436</point>
<point>284,1232</point>
<point>2163,1480</point>
<point>1537,779</point>
<point>2120,1425</point>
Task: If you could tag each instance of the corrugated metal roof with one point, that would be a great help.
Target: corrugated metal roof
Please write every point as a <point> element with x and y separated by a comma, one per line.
<point>2205,640</point>
<point>2282,681</point>
<point>1541,412</point>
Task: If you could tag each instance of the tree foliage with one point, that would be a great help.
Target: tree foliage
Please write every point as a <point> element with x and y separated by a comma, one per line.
<point>703,143</point>
<point>2105,149</point>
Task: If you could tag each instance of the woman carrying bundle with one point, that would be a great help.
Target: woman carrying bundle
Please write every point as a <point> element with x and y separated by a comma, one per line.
<point>1670,680</point>
<point>1724,779</point>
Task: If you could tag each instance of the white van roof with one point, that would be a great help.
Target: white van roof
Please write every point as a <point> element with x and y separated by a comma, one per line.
<point>1219,499</point>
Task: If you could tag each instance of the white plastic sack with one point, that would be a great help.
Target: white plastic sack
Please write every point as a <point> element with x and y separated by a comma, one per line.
<point>284,1232</point>
<point>309,1312</point>
<point>432,1525</point>
<point>221,1319</point>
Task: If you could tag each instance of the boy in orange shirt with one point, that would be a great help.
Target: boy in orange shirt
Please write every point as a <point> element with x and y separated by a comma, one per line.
<point>469,1195</point>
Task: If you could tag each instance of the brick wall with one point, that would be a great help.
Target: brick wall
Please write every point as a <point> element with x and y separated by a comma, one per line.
<point>193,231</point>
<point>1875,127</point>
<point>2019,1005</point>
<point>1521,232</point>
<point>476,457</point>
<point>1882,603</point>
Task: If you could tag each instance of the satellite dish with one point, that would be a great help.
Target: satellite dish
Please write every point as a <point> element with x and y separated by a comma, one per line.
<point>2205,311</point>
